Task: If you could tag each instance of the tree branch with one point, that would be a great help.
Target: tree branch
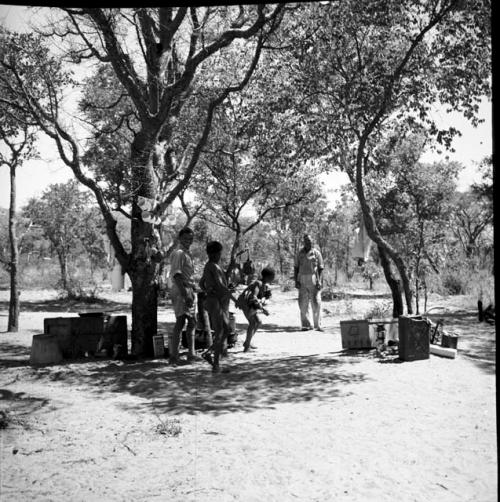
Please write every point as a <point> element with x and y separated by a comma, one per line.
<point>121,62</point>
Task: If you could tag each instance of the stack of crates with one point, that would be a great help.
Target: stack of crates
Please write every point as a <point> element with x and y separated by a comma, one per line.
<point>80,335</point>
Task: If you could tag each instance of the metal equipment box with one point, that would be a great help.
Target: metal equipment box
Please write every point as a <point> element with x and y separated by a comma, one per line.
<point>414,338</point>
<point>362,333</point>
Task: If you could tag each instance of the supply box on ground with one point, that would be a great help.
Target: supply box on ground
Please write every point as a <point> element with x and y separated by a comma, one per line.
<point>414,338</point>
<point>45,350</point>
<point>78,335</point>
<point>449,340</point>
<point>159,346</point>
<point>362,333</point>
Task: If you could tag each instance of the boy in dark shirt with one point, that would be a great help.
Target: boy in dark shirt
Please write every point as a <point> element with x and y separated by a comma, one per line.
<point>214,283</point>
<point>250,301</point>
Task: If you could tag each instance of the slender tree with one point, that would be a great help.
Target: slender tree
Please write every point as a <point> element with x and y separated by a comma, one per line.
<point>17,139</point>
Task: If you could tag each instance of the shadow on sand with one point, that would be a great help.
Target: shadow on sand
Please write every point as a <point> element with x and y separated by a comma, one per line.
<point>252,383</point>
<point>192,388</point>
<point>20,403</point>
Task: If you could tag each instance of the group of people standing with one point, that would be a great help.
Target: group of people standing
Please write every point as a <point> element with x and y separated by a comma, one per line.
<point>308,274</point>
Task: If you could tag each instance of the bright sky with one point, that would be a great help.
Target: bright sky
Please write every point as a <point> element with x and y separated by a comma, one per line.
<point>36,175</point>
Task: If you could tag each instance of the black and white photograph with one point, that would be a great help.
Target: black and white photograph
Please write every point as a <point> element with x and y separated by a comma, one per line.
<point>247,252</point>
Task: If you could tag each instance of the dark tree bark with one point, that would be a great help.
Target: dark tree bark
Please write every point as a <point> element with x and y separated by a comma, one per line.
<point>393,282</point>
<point>144,266</point>
<point>480,315</point>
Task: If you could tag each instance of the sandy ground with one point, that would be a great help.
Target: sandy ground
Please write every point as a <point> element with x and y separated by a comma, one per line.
<point>298,419</point>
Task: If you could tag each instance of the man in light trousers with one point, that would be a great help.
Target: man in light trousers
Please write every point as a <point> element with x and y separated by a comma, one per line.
<point>308,274</point>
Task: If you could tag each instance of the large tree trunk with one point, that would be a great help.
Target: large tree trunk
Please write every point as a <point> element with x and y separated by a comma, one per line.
<point>143,267</point>
<point>13,322</point>
<point>406,281</point>
<point>144,310</point>
<point>393,282</point>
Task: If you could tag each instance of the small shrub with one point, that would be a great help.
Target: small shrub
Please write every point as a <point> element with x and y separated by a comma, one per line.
<point>76,291</point>
<point>380,311</point>
<point>343,307</point>
<point>370,272</point>
<point>454,282</point>
<point>330,290</point>
<point>170,427</point>
<point>5,419</point>
<point>287,285</point>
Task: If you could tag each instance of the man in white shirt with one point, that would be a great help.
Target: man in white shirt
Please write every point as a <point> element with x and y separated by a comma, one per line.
<point>308,274</point>
<point>182,293</point>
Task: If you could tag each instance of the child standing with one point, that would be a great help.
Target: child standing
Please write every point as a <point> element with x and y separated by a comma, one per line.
<point>218,295</point>
<point>250,301</point>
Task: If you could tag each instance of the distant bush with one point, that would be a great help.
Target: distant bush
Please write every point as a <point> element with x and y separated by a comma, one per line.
<point>41,274</point>
<point>329,293</point>
<point>483,287</point>
<point>454,282</point>
<point>464,281</point>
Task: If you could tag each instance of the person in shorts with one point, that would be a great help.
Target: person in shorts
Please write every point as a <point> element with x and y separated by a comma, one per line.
<point>218,294</point>
<point>251,302</point>
<point>182,294</point>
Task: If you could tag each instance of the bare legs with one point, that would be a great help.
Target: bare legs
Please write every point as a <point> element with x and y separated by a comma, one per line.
<point>254,324</point>
<point>179,326</point>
